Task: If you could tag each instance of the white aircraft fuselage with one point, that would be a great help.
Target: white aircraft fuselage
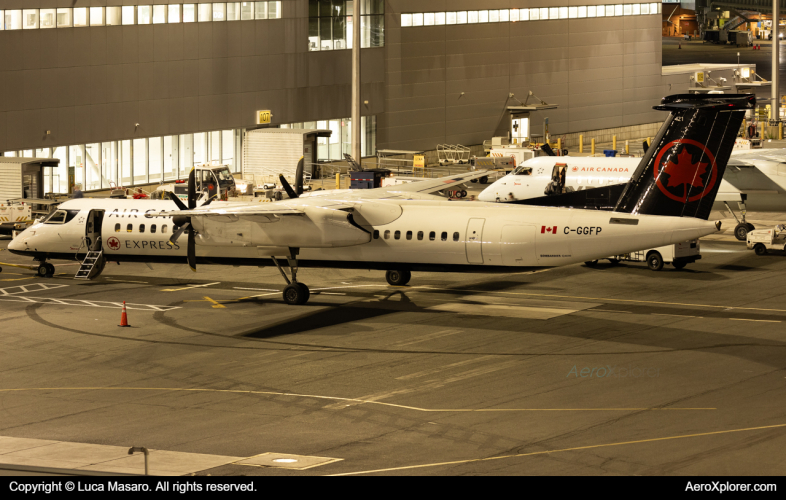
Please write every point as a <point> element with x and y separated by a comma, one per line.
<point>761,175</point>
<point>383,234</point>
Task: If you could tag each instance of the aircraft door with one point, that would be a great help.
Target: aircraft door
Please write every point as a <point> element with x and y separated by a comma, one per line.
<point>557,184</point>
<point>95,219</point>
<point>474,241</point>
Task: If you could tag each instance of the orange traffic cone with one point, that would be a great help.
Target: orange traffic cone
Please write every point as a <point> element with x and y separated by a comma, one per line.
<point>124,316</point>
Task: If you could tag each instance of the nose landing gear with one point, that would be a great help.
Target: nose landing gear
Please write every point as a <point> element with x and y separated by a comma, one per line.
<point>398,277</point>
<point>45,269</point>
<point>295,293</point>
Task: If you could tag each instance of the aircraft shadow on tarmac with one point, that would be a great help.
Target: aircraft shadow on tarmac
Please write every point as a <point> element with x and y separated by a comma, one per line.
<point>667,272</point>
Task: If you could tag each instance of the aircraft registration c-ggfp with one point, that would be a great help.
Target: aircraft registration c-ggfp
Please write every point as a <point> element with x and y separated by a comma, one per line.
<point>401,228</point>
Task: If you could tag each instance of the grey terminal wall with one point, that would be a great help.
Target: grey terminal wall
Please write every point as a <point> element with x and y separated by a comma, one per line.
<point>96,83</point>
<point>603,73</point>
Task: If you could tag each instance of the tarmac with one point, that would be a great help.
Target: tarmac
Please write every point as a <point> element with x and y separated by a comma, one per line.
<point>576,370</point>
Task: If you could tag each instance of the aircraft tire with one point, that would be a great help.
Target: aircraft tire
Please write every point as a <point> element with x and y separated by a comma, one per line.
<point>760,249</point>
<point>751,227</point>
<point>398,278</point>
<point>655,261</point>
<point>484,179</point>
<point>463,193</point>
<point>473,180</point>
<point>591,263</point>
<point>741,231</point>
<point>43,269</point>
<point>50,269</point>
<point>296,294</point>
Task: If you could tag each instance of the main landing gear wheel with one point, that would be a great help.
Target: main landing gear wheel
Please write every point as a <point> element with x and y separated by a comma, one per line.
<point>655,261</point>
<point>591,263</point>
<point>484,179</point>
<point>741,231</point>
<point>398,278</point>
<point>760,249</point>
<point>296,294</point>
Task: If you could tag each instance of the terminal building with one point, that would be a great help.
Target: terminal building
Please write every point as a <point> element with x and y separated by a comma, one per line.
<point>135,92</point>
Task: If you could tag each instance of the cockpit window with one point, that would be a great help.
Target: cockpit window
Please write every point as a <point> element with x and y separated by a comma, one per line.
<point>61,216</point>
<point>522,170</point>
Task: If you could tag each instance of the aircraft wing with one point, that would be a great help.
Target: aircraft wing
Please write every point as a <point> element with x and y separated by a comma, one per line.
<point>431,185</point>
<point>275,209</point>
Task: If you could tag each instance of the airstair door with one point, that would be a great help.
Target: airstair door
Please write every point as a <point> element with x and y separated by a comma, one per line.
<point>95,219</point>
<point>474,241</point>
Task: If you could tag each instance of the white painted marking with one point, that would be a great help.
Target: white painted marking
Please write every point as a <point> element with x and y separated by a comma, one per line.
<point>86,303</point>
<point>33,287</point>
<point>507,311</point>
<point>126,281</point>
<point>255,289</point>
<point>98,457</point>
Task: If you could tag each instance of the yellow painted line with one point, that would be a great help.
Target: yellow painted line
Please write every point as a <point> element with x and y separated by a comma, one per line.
<point>216,305</point>
<point>577,448</point>
<point>336,398</point>
<point>760,320</point>
<point>18,265</point>
<point>18,279</point>
<point>601,299</point>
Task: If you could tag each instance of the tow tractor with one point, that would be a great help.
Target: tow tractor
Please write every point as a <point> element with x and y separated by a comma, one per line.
<point>212,180</point>
<point>762,240</point>
<point>678,255</point>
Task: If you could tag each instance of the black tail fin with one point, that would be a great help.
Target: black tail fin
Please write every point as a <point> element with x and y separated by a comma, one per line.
<point>682,170</point>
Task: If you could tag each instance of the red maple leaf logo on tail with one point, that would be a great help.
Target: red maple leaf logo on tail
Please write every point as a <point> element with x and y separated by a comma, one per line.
<point>685,171</point>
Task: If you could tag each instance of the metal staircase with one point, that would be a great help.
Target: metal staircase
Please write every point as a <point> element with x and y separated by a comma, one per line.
<point>86,270</point>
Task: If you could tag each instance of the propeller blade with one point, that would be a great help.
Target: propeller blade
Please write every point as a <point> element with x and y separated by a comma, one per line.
<point>192,249</point>
<point>173,197</point>
<point>177,234</point>
<point>299,177</point>
<point>291,192</point>
<point>192,189</point>
<point>547,149</point>
<point>208,202</point>
<point>645,145</point>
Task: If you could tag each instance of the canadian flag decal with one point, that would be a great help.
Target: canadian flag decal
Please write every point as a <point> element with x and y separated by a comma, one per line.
<point>549,229</point>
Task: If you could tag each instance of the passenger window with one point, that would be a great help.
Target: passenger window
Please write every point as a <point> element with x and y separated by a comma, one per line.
<point>420,235</point>
<point>387,234</point>
<point>397,235</point>
<point>141,228</point>
<point>409,235</point>
<point>432,236</point>
<point>376,234</point>
<point>117,227</point>
<point>444,236</point>
<point>455,236</point>
<point>163,229</point>
<point>130,228</point>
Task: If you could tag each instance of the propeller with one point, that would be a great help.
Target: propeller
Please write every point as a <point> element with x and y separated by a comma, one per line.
<point>298,190</point>
<point>183,222</point>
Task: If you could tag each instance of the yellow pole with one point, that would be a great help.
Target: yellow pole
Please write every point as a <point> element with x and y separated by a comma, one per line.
<point>627,149</point>
<point>614,142</point>
<point>581,143</point>
<point>559,144</point>
<point>593,146</point>
<point>780,130</point>
<point>338,180</point>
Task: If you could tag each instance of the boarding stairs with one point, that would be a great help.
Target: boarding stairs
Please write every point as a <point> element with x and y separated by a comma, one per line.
<point>90,266</point>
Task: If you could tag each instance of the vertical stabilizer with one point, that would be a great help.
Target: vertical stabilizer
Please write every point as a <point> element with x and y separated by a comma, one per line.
<point>682,170</point>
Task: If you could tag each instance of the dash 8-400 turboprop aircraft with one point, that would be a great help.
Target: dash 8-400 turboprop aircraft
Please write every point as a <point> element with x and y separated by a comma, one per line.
<point>399,229</point>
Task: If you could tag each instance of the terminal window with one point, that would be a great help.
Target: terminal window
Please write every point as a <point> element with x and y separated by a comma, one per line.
<point>330,24</point>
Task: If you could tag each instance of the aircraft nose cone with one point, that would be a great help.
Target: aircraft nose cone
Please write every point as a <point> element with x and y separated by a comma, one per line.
<point>18,243</point>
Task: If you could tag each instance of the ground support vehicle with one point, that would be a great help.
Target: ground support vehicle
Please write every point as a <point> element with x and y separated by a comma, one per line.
<point>763,240</point>
<point>679,255</point>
